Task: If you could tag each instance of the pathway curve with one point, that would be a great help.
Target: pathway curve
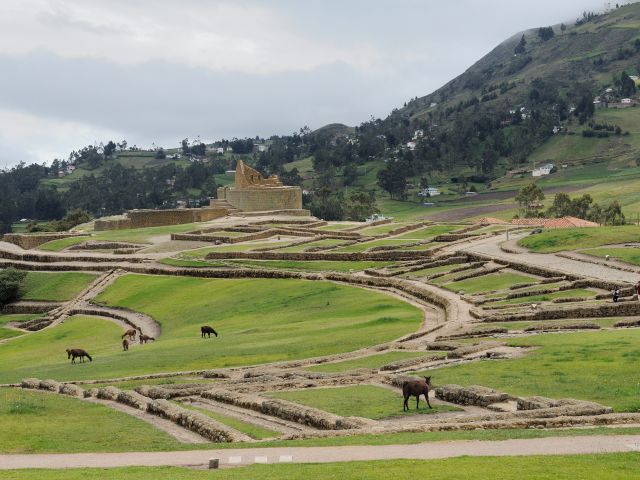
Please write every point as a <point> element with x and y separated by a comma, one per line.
<point>422,451</point>
<point>491,246</point>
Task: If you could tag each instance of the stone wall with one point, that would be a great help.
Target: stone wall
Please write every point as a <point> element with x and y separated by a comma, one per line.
<point>261,199</point>
<point>157,218</point>
<point>34,240</point>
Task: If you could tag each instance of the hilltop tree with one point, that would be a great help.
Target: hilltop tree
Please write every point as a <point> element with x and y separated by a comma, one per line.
<point>521,46</point>
<point>11,281</point>
<point>545,33</point>
<point>563,27</point>
<point>529,199</point>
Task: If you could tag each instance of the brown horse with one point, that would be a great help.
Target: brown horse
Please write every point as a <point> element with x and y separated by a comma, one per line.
<point>145,338</point>
<point>125,344</point>
<point>416,388</point>
<point>74,353</point>
<point>131,333</point>
<point>207,330</point>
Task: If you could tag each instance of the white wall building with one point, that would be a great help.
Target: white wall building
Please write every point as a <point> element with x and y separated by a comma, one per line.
<point>544,170</point>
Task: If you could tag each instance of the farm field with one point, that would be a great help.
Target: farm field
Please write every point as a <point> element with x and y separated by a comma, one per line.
<point>276,320</point>
<point>487,283</point>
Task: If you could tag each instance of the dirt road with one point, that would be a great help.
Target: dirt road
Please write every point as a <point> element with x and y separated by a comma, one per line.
<point>422,451</point>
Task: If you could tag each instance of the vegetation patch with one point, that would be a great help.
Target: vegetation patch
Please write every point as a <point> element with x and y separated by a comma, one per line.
<point>628,255</point>
<point>547,297</point>
<point>62,243</point>
<point>573,238</point>
<point>595,366</point>
<point>37,422</point>
<point>9,332</point>
<point>490,282</point>
<point>258,321</point>
<point>55,286</point>
<point>366,401</point>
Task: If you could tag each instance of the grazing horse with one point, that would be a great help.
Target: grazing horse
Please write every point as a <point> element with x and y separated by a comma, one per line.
<point>145,338</point>
<point>207,330</point>
<point>416,388</point>
<point>125,344</point>
<point>74,353</point>
<point>131,333</point>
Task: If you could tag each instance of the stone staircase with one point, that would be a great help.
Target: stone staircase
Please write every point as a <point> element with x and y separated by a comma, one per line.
<point>222,204</point>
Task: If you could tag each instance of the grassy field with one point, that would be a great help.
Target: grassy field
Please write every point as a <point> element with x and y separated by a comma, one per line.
<point>427,232</point>
<point>145,235</point>
<point>371,361</point>
<point>311,266</point>
<point>327,242</point>
<point>366,401</point>
<point>562,467</point>
<point>8,332</point>
<point>490,282</point>
<point>425,272</point>
<point>600,366</point>
<point>628,255</point>
<point>254,431</point>
<point>55,286</point>
<point>573,238</point>
<point>547,297</point>
<point>62,243</point>
<point>385,242</point>
<point>37,422</point>
<point>259,320</point>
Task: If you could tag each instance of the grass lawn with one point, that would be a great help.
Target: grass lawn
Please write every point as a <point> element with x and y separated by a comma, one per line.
<point>628,255</point>
<point>132,384</point>
<point>573,238</point>
<point>38,422</point>
<point>259,320</point>
<point>427,232</point>
<point>547,297</point>
<point>9,332</point>
<point>381,229</point>
<point>254,431</point>
<point>425,272</point>
<point>62,243</point>
<point>55,286</point>
<point>561,467</point>
<point>487,283</point>
<point>372,361</point>
<point>240,247</point>
<point>178,262</point>
<point>603,322</point>
<point>366,401</point>
<point>361,247</point>
<point>601,366</point>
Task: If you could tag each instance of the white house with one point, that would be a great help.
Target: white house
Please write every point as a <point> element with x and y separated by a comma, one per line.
<point>418,133</point>
<point>556,129</point>
<point>626,100</point>
<point>230,149</point>
<point>220,150</point>
<point>433,104</point>
<point>429,192</point>
<point>262,148</point>
<point>411,145</point>
<point>544,170</point>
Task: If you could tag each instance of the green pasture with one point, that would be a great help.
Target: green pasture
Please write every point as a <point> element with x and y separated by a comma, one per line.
<point>490,282</point>
<point>254,431</point>
<point>558,240</point>
<point>9,332</point>
<point>381,229</point>
<point>368,401</point>
<point>547,297</point>
<point>427,232</point>
<point>62,243</point>
<point>55,286</point>
<point>611,466</point>
<point>601,366</point>
<point>326,242</point>
<point>425,272</point>
<point>39,422</point>
<point>629,254</point>
<point>311,266</point>
<point>370,361</point>
<point>384,242</point>
<point>259,321</point>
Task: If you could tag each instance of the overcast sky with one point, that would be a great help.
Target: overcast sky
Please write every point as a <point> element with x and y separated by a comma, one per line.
<point>74,72</point>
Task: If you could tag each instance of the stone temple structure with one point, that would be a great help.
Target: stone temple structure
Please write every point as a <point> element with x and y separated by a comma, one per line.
<point>252,192</point>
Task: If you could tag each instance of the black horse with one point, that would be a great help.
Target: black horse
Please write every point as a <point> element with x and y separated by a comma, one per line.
<point>207,330</point>
<point>74,353</point>
<point>416,388</point>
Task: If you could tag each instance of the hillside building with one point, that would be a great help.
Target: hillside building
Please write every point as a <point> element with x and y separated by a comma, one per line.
<point>542,171</point>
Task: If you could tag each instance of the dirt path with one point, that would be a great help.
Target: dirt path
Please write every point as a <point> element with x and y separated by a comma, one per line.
<point>424,451</point>
<point>491,246</point>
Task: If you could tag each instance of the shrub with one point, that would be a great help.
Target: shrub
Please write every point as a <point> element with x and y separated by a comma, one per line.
<point>11,281</point>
